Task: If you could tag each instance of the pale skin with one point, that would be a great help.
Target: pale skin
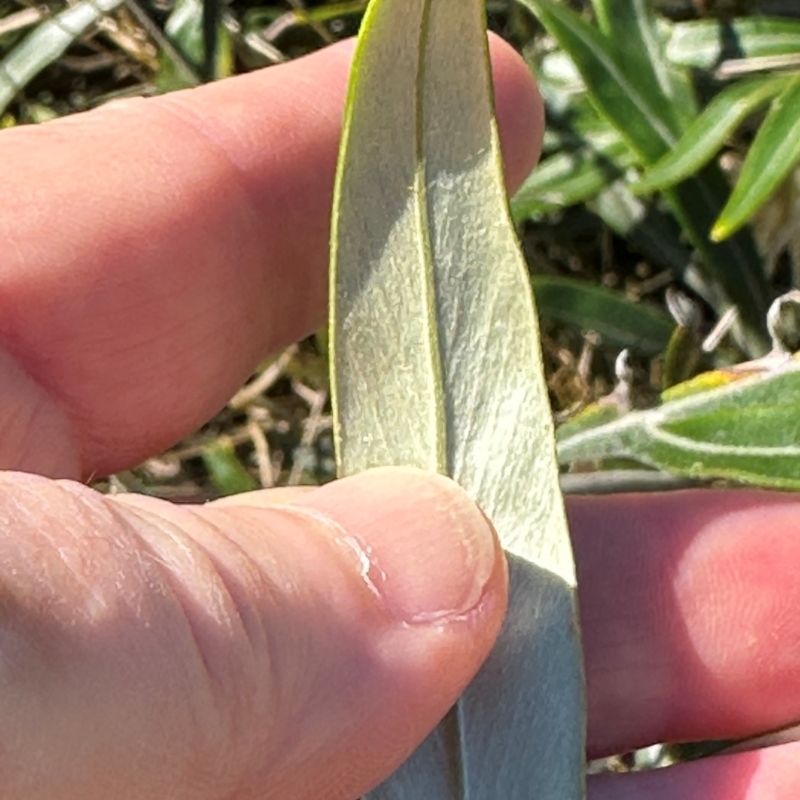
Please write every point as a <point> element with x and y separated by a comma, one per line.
<point>153,253</point>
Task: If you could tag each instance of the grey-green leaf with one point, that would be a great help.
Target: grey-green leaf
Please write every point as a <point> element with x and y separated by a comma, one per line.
<point>703,44</point>
<point>772,156</point>
<point>710,130</point>
<point>436,364</point>
<point>747,431</point>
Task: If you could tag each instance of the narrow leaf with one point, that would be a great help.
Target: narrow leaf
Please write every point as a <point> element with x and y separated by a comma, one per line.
<point>621,322</point>
<point>643,55</point>
<point>226,471</point>
<point>568,178</point>
<point>186,30</point>
<point>710,130</point>
<point>637,114</point>
<point>747,431</point>
<point>639,117</point>
<point>46,44</point>
<point>703,44</point>
<point>771,158</point>
<point>436,364</point>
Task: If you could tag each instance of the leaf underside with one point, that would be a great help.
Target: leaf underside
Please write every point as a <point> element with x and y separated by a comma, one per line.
<point>436,364</point>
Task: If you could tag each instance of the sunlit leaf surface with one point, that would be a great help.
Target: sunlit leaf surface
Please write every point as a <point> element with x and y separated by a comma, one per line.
<point>436,364</point>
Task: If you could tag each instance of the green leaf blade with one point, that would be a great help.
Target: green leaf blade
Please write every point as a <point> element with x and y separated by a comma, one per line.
<point>633,113</point>
<point>46,44</point>
<point>437,365</point>
<point>772,156</point>
<point>565,179</point>
<point>703,44</point>
<point>709,132</point>
<point>621,322</point>
<point>748,431</point>
<point>645,60</point>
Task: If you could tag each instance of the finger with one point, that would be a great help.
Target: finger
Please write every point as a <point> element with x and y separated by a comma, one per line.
<point>294,651</point>
<point>170,244</point>
<point>689,614</point>
<point>771,774</point>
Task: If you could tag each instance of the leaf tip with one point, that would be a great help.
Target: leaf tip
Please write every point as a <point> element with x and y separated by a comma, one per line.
<point>721,231</point>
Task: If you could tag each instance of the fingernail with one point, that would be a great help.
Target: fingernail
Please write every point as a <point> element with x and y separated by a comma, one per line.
<point>422,544</point>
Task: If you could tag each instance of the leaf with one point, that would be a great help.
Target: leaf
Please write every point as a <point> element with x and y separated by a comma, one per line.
<point>568,178</point>
<point>621,322</point>
<point>703,44</point>
<point>638,115</point>
<point>644,57</point>
<point>225,470</point>
<point>771,158</point>
<point>436,364</point>
<point>185,32</point>
<point>46,44</point>
<point>747,430</point>
<point>615,92</point>
<point>710,130</point>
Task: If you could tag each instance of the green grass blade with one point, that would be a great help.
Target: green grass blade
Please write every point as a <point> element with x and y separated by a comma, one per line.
<point>703,44</point>
<point>710,130</point>
<point>643,56</point>
<point>747,431</point>
<point>225,470</point>
<point>621,322</point>
<point>186,31</point>
<point>46,44</point>
<point>735,270</point>
<point>772,156</point>
<point>638,115</point>
<point>634,111</point>
<point>436,364</point>
<point>567,178</point>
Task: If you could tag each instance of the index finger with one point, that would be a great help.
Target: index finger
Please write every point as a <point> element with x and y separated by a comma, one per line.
<point>166,246</point>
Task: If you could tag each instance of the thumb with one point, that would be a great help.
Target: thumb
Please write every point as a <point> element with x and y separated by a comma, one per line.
<point>236,650</point>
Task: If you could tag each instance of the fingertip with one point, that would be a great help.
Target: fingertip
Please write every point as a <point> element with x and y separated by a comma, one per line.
<point>434,554</point>
<point>404,614</point>
<point>519,109</point>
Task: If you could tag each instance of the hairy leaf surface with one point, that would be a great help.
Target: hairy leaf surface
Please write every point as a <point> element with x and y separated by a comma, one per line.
<point>436,364</point>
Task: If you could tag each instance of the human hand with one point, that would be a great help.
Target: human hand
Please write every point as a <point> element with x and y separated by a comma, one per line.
<point>235,650</point>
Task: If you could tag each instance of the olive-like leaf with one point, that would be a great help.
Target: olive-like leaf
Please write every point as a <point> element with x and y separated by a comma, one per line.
<point>747,430</point>
<point>771,158</point>
<point>436,364</point>
<point>704,43</point>
<point>710,130</point>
